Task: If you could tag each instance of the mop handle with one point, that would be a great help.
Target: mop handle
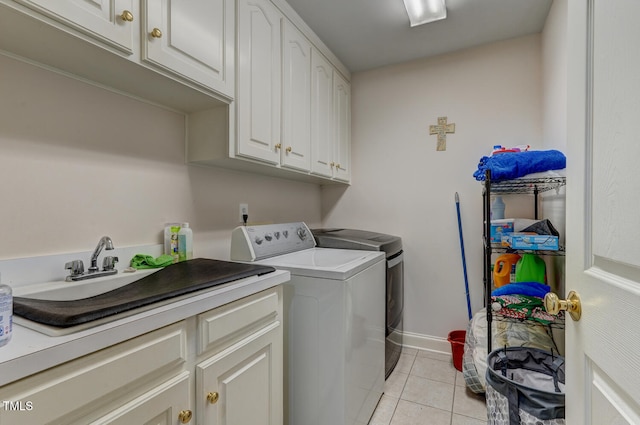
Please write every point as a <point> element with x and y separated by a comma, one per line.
<point>464,261</point>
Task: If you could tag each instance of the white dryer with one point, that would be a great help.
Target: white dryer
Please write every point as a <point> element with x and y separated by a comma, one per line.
<point>334,321</point>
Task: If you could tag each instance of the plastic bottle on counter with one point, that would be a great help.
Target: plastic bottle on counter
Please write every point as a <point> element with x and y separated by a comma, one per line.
<point>6,314</point>
<point>167,237</point>
<point>185,243</point>
<point>174,231</point>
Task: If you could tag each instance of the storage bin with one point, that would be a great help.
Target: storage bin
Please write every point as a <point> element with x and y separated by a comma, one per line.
<point>456,338</point>
<point>525,386</point>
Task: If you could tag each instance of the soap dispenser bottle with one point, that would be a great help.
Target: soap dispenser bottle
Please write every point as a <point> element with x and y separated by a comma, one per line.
<point>185,243</point>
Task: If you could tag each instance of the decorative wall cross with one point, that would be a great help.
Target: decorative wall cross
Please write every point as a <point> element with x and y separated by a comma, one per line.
<point>441,130</point>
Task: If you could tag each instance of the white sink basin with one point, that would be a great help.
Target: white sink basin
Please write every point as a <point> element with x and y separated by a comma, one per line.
<point>58,308</point>
<point>67,291</point>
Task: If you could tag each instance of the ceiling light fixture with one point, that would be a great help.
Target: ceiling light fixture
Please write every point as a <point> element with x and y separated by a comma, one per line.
<point>425,11</point>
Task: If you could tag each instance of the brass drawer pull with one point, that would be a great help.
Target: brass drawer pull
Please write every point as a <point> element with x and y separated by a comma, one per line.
<point>185,416</point>
<point>126,16</point>
<point>213,397</point>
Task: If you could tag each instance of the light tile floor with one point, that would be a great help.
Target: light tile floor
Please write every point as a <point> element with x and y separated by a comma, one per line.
<point>425,389</point>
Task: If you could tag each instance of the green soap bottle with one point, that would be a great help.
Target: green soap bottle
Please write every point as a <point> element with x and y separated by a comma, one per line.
<point>175,230</point>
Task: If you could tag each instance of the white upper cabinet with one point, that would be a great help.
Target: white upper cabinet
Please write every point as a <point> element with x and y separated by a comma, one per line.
<point>330,121</point>
<point>259,81</point>
<point>179,54</point>
<point>291,114</point>
<point>111,22</point>
<point>296,101</point>
<point>194,39</point>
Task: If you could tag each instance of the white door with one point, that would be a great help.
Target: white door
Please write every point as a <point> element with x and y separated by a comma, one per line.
<point>603,204</point>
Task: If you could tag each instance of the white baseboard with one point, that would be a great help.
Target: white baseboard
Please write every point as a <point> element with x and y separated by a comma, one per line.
<point>426,342</point>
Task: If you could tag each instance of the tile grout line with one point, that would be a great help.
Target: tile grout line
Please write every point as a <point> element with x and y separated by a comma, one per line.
<point>403,386</point>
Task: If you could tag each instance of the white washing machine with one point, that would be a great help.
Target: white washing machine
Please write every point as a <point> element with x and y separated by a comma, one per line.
<point>334,322</point>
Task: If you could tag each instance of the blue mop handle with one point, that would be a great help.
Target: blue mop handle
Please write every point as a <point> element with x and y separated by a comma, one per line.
<point>464,261</point>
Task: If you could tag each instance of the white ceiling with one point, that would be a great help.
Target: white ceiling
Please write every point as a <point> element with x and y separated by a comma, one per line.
<point>367,34</point>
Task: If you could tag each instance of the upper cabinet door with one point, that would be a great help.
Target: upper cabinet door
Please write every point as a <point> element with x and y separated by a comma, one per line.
<point>259,81</point>
<point>342,128</point>
<point>111,22</point>
<point>194,39</point>
<point>296,101</point>
<point>322,162</point>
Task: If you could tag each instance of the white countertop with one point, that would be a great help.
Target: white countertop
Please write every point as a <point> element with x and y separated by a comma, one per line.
<point>30,351</point>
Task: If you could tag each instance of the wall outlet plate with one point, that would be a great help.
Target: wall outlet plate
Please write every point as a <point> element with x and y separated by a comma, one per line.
<point>244,210</point>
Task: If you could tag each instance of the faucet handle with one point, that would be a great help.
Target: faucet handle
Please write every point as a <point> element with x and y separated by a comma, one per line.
<point>76,267</point>
<point>109,263</point>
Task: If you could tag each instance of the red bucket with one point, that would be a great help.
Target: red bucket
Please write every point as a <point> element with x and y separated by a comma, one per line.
<point>456,338</point>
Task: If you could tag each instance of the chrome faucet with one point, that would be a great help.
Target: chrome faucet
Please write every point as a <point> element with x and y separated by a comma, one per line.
<point>108,265</point>
<point>104,242</point>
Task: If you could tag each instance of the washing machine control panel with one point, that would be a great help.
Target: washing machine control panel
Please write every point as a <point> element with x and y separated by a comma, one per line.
<point>252,243</point>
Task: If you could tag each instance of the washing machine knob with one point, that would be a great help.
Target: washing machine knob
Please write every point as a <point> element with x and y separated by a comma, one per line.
<point>258,240</point>
<point>268,237</point>
<point>302,233</point>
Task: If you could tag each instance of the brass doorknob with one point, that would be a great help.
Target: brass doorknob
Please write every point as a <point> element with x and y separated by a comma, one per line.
<point>278,146</point>
<point>553,304</point>
<point>213,397</point>
<point>338,166</point>
<point>289,149</point>
<point>185,416</point>
<point>156,33</point>
<point>126,16</point>
<point>332,164</point>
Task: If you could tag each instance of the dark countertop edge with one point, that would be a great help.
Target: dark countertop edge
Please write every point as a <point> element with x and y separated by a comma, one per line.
<point>45,351</point>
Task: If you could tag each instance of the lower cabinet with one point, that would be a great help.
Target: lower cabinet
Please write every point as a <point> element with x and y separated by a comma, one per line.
<point>221,367</point>
<point>242,382</point>
<point>244,375</point>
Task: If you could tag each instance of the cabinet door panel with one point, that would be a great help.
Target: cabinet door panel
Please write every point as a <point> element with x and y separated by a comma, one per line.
<point>247,379</point>
<point>259,81</point>
<point>342,128</point>
<point>161,406</point>
<point>197,40</point>
<point>98,19</point>
<point>321,115</point>
<point>296,101</point>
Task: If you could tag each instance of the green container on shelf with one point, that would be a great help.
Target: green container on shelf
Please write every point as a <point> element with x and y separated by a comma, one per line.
<point>531,268</point>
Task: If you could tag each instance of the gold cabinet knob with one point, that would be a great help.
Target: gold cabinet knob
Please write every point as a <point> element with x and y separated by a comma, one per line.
<point>278,145</point>
<point>553,304</point>
<point>338,166</point>
<point>289,149</point>
<point>185,416</point>
<point>126,16</point>
<point>156,33</point>
<point>213,397</point>
<point>333,164</point>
